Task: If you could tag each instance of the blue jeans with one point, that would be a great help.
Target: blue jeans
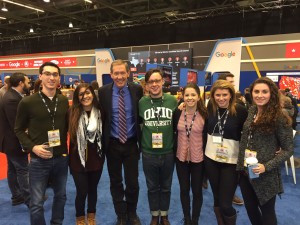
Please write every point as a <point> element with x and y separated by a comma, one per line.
<point>158,171</point>
<point>40,170</point>
<point>17,177</point>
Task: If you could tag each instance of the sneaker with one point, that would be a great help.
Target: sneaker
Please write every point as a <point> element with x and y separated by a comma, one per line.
<point>237,201</point>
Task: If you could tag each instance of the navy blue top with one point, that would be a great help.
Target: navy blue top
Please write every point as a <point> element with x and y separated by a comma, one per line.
<point>130,124</point>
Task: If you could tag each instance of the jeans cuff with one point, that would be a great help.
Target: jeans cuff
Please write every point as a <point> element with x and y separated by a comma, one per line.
<point>155,213</point>
<point>163,213</point>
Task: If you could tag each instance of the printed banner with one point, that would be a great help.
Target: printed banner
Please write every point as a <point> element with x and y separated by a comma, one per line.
<point>36,63</point>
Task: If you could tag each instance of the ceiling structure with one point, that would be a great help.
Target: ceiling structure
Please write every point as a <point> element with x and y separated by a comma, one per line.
<point>104,15</point>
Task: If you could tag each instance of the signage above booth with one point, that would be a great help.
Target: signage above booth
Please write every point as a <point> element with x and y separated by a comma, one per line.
<point>36,63</point>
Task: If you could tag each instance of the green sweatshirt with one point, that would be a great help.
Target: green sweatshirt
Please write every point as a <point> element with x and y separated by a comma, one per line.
<point>33,116</point>
<point>166,106</point>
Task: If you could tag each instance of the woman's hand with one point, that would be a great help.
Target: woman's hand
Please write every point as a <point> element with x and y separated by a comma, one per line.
<point>259,169</point>
<point>181,106</point>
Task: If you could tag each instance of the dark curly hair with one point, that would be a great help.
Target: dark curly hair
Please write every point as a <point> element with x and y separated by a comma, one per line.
<point>272,110</point>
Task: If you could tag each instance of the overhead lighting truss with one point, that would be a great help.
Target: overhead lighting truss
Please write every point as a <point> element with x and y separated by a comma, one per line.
<point>220,10</point>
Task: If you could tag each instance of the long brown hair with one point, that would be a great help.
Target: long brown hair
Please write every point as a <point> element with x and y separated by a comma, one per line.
<point>223,84</point>
<point>77,109</point>
<point>200,104</point>
<point>272,110</point>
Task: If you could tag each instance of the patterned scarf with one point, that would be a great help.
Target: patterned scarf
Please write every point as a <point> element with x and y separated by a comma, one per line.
<point>89,129</point>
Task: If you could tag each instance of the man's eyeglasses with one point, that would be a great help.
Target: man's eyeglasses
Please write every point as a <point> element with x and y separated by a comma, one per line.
<point>48,74</point>
<point>154,81</point>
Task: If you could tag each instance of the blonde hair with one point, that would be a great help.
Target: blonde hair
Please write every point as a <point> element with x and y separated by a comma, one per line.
<point>223,84</point>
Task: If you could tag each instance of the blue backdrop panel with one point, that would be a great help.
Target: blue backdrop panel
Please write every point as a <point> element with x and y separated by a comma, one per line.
<point>246,78</point>
<point>88,78</point>
<point>106,79</point>
<point>69,79</point>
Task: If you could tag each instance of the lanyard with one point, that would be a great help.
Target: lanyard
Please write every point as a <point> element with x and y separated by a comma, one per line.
<point>189,130</point>
<point>52,114</point>
<point>156,113</point>
<point>221,126</point>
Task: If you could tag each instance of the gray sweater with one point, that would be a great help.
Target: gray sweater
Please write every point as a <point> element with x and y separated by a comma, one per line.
<point>266,144</point>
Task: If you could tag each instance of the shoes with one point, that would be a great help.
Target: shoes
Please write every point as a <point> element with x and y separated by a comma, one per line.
<point>17,201</point>
<point>237,201</point>
<point>134,220</point>
<point>91,219</point>
<point>164,220</point>
<point>80,220</point>
<point>154,220</point>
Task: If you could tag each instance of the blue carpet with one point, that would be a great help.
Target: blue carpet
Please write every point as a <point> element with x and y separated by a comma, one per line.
<point>287,207</point>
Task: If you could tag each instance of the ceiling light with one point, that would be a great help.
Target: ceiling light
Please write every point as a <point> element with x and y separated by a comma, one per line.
<point>122,22</point>
<point>46,0</point>
<point>2,18</point>
<point>70,25</point>
<point>31,30</point>
<point>4,9</point>
<point>26,6</point>
<point>89,1</point>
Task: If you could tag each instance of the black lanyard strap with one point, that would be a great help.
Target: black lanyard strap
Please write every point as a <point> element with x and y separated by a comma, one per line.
<point>189,130</point>
<point>52,114</point>
<point>220,124</point>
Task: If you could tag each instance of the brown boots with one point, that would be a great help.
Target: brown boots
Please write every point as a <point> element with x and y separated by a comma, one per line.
<point>154,220</point>
<point>91,220</point>
<point>164,220</point>
<point>80,220</point>
<point>224,220</point>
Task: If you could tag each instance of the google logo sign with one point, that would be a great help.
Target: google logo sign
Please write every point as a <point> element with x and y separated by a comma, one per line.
<point>225,54</point>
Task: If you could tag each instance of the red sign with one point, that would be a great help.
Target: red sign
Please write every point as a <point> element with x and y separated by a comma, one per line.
<point>36,63</point>
<point>292,50</point>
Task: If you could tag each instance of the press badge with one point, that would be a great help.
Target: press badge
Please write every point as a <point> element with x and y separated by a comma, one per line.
<point>221,154</point>
<point>157,140</point>
<point>249,153</point>
<point>217,138</point>
<point>54,138</point>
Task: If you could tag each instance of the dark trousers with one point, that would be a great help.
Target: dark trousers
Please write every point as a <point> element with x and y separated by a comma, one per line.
<point>123,156</point>
<point>18,177</point>
<point>86,187</point>
<point>223,180</point>
<point>258,214</point>
<point>190,175</point>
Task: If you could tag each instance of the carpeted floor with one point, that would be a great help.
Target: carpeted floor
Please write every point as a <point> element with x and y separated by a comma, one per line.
<point>287,206</point>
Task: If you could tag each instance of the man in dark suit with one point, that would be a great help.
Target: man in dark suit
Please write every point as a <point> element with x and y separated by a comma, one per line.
<point>17,160</point>
<point>119,152</point>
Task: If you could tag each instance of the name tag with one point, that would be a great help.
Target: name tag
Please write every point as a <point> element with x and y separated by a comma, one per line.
<point>157,140</point>
<point>217,139</point>
<point>54,138</point>
<point>222,154</point>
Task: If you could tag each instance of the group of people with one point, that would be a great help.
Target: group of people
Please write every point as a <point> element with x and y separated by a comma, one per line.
<point>120,123</point>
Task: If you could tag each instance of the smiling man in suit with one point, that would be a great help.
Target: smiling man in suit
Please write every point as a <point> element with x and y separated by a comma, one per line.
<point>121,134</point>
<point>17,160</point>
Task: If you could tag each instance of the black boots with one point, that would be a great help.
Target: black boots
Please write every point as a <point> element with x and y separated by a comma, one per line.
<point>219,216</point>
<point>230,220</point>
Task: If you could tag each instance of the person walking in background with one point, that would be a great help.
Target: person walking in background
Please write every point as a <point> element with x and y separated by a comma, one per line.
<point>266,130</point>
<point>156,110</point>
<point>86,156</point>
<point>41,127</point>
<point>17,159</point>
<point>121,133</point>
<point>224,126</point>
<point>189,145</point>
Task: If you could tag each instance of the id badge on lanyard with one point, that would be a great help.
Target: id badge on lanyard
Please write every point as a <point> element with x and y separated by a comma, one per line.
<point>157,140</point>
<point>54,138</point>
<point>217,138</point>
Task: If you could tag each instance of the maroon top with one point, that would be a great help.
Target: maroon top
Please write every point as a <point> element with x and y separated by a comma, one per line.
<point>93,163</point>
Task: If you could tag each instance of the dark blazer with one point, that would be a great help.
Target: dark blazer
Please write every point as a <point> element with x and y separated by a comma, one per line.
<point>105,100</point>
<point>9,142</point>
